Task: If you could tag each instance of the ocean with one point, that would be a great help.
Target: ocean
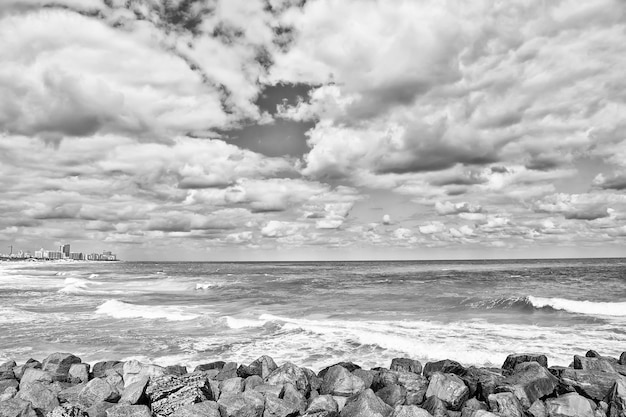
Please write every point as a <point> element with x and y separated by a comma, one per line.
<point>313,313</point>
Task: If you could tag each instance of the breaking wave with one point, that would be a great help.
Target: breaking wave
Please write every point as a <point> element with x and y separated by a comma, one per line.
<point>531,303</point>
<point>121,310</point>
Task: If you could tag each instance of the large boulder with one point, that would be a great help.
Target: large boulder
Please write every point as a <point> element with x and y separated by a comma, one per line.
<point>366,376</point>
<point>593,364</point>
<point>406,365</point>
<point>40,396</point>
<point>529,382</point>
<point>246,404</point>
<point>18,371</point>
<point>175,370</point>
<point>134,371</point>
<point>6,370</point>
<point>35,375</point>
<point>350,366</point>
<point>134,392</point>
<point>569,405</point>
<point>127,410</point>
<point>410,411</point>
<point>232,386</point>
<point>617,400</point>
<point>203,409</point>
<point>339,381</point>
<point>251,382</point>
<point>99,409</point>
<point>58,364</point>
<point>515,359</point>
<point>622,359</point>
<point>392,395</point>
<point>78,373</point>
<point>323,403</point>
<point>170,392</point>
<point>294,397</point>
<point>415,385</point>
<point>228,371</point>
<point>8,393</point>
<point>100,368</point>
<point>267,389</point>
<point>262,367</point>
<point>288,373</point>
<point>16,407</point>
<point>471,406</point>
<point>384,377</point>
<point>276,407</point>
<point>505,404</point>
<point>482,381</point>
<point>537,409</point>
<point>366,404</point>
<point>98,390</point>
<point>435,406</point>
<point>8,383</point>
<point>594,385</point>
<point>445,366</point>
<point>67,410</point>
<point>70,394</point>
<point>449,388</point>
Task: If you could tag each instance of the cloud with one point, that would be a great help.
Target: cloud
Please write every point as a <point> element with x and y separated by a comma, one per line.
<point>580,206</point>
<point>447,208</point>
<point>386,219</point>
<point>276,229</point>
<point>616,182</point>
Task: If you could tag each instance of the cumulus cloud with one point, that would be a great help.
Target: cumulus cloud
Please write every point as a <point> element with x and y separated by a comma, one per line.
<point>447,208</point>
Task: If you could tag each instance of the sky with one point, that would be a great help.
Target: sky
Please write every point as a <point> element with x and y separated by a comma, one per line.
<point>314,130</point>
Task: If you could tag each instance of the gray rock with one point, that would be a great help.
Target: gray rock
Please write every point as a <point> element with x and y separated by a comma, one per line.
<point>350,367</point>
<point>99,368</point>
<point>445,366</point>
<point>569,405</point>
<point>8,393</point>
<point>341,402</point>
<point>6,370</point>
<point>126,410</point>
<point>115,379</point>
<point>228,371</point>
<point>58,364</point>
<point>592,364</point>
<point>98,390</point>
<point>392,395</point>
<point>70,394</point>
<point>99,409</point>
<point>294,397</point>
<point>16,407</point>
<point>210,366</point>
<point>484,413</point>
<point>506,404</point>
<point>203,409</point>
<point>339,381</point>
<point>314,381</point>
<point>246,404</point>
<point>134,371</point>
<point>406,365</point>
<point>449,388</point>
<point>78,373</point>
<point>170,392</point>
<point>252,381</point>
<point>134,392</point>
<point>435,406</point>
<point>617,400</point>
<point>529,382</point>
<point>276,407</point>
<point>622,359</point>
<point>601,410</point>
<point>18,371</point>
<point>232,386</point>
<point>268,389</point>
<point>175,370</point>
<point>537,409</point>
<point>67,410</point>
<point>35,375</point>
<point>366,376</point>
<point>415,385</point>
<point>288,373</point>
<point>40,396</point>
<point>410,411</point>
<point>384,377</point>
<point>471,406</point>
<point>594,385</point>
<point>366,404</point>
<point>262,367</point>
<point>323,403</point>
<point>515,359</point>
<point>482,381</point>
<point>8,383</point>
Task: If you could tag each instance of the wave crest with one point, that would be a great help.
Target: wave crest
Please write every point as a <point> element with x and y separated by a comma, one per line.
<point>593,308</point>
<point>121,310</point>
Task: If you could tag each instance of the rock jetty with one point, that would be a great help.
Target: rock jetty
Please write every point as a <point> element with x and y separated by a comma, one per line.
<point>525,386</point>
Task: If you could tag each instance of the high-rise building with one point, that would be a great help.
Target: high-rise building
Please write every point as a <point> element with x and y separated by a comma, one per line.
<point>66,250</point>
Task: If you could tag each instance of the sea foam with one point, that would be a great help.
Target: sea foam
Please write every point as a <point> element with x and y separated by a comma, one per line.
<point>121,310</point>
<point>593,308</point>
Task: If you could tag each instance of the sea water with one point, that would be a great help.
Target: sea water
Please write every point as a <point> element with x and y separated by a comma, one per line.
<point>313,314</point>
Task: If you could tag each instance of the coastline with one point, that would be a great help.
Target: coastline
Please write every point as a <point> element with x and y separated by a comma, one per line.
<point>61,385</point>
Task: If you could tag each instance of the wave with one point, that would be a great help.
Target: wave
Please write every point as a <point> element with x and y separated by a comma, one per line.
<point>593,308</point>
<point>237,323</point>
<point>77,286</point>
<point>121,310</point>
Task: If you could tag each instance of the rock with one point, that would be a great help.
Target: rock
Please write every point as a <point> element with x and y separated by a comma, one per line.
<point>594,385</point>
<point>506,404</point>
<point>203,409</point>
<point>617,400</point>
<point>262,367</point>
<point>40,396</point>
<point>294,397</point>
<point>16,407</point>
<point>99,368</point>
<point>246,404</point>
<point>78,373</point>
<point>268,389</point>
<point>406,365</point>
<point>350,367</point>
<point>67,410</point>
<point>482,381</point>
<point>435,406</point>
<point>483,413</point>
<point>134,392</point>
<point>170,392</point>
<point>339,381</point>
<point>228,371</point>
<point>384,377</point>
<point>392,395</point>
<point>592,364</point>
<point>602,410</point>
<point>35,375</point>
<point>8,393</point>
<point>538,409</point>
<point>126,410</point>
<point>569,405</point>
<point>232,386</point>
<point>252,381</point>
<point>365,404</point>
<point>366,376</point>
<point>99,409</point>
<point>314,381</point>
<point>410,411</point>
<point>515,359</point>
<point>210,366</point>
<point>6,370</point>
<point>529,382</point>
<point>415,385</point>
<point>98,390</point>
<point>323,403</point>
<point>134,371</point>
<point>8,383</point>
<point>449,388</point>
<point>18,371</point>
<point>175,370</point>
<point>116,381</point>
<point>471,406</point>
<point>70,394</point>
<point>445,366</point>
<point>288,373</point>
<point>622,359</point>
<point>58,364</point>
<point>275,407</point>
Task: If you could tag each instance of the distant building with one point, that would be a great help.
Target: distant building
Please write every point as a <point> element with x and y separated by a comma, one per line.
<point>66,250</point>
<point>104,256</point>
<point>77,256</point>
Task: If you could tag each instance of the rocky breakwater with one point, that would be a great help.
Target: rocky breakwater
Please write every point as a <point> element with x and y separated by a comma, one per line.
<point>63,386</point>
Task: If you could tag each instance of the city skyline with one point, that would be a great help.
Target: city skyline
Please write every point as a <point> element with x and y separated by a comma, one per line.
<point>314,130</point>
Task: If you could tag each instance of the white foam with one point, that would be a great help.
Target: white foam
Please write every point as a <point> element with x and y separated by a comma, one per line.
<point>92,276</point>
<point>121,310</point>
<point>581,307</point>
<point>77,286</point>
<point>239,323</point>
<point>204,286</point>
